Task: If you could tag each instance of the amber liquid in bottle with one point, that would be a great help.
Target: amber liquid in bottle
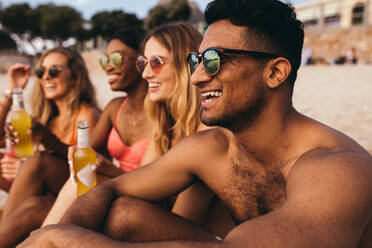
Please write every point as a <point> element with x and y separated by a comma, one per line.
<point>84,158</point>
<point>21,123</point>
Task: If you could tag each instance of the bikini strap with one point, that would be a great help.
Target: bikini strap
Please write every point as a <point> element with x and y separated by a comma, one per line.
<point>120,109</point>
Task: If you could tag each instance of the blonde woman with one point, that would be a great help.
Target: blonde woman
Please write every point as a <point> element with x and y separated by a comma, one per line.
<point>173,104</point>
<point>63,95</point>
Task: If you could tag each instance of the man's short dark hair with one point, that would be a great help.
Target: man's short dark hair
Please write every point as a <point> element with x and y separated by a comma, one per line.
<point>271,23</point>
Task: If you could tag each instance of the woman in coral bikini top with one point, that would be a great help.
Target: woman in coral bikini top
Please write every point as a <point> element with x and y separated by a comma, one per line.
<point>128,156</point>
<point>123,132</point>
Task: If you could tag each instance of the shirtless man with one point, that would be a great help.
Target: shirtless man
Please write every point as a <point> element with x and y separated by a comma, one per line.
<point>287,180</point>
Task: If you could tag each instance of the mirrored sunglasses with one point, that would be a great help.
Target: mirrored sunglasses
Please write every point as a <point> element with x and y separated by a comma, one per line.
<point>156,63</point>
<point>116,59</point>
<point>211,58</point>
<point>53,72</point>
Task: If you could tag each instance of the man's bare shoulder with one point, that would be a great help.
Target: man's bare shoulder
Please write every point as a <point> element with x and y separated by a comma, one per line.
<point>334,161</point>
<point>202,148</point>
<point>215,140</point>
<point>338,179</point>
<point>329,149</point>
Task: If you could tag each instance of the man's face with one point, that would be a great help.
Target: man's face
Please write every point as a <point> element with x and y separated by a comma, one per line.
<point>235,95</point>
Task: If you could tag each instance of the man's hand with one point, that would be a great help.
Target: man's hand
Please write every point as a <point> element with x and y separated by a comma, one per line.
<point>41,237</point>
<point>18,76</point>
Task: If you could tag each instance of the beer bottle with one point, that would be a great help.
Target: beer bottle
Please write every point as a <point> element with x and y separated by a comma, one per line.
<point>84,157</point>
<point>21,122</point>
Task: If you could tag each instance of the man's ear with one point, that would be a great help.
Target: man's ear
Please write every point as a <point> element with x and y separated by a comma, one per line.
<point>278,72</point>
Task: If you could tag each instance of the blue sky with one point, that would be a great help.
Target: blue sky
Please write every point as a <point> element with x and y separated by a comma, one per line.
<point>89,7</point>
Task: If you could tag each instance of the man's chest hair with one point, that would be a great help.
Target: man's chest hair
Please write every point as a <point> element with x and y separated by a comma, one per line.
<point>252,190</point>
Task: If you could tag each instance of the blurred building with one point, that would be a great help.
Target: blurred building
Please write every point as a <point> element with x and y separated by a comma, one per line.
<point>335,13</point>
<point>334,27</point>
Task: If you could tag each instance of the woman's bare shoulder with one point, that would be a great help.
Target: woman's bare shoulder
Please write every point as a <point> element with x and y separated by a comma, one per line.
<point>114,104</point>
<point>88,112</point>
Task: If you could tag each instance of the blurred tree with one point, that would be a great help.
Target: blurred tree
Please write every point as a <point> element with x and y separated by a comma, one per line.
<point>173,10</point>
<point>34,26</point>
<point>106,23</point>
<point>6,42</point>
<point>84,34</point>
<point>59,22</point>
<point>157,16</point>
<point>20,20</point>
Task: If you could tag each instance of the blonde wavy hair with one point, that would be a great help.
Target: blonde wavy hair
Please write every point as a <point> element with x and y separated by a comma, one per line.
<point>181,111</point>
<point>44,110</point>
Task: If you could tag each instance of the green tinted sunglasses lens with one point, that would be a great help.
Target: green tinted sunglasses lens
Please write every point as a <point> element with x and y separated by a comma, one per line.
<point>103,61</point>
<point>116,59</point>
<point>211,62</point>
<point>193,62</point>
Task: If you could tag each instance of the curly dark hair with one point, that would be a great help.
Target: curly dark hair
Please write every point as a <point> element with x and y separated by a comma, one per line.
<point>132,37</point>
<point>270,23</point>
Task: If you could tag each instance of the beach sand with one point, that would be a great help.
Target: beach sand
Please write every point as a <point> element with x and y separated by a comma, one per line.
<point>339,96</point>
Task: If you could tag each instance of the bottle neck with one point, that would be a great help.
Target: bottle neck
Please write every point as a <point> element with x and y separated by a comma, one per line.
<point>18,103</point>
<point>83,137</point>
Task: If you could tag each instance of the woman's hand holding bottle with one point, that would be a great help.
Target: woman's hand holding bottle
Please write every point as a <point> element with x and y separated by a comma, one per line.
<point>9,164</point>
<point>9,167</point>
<point>18,76</point>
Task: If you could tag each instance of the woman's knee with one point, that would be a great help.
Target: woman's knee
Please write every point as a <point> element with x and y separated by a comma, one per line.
<point>36,204</point>
<point>46,165</point>
<point>36,163</point>
<point>34,209</point>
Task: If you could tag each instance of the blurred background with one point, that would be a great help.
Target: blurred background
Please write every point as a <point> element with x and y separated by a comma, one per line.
<point>334,83</point>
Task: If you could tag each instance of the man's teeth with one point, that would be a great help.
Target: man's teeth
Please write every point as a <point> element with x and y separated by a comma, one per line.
<point>212,93</point>
<point>151,85</point>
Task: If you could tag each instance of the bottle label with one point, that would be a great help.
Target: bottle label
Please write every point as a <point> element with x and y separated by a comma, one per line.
<point>17,96</point>
<point>86,175</point>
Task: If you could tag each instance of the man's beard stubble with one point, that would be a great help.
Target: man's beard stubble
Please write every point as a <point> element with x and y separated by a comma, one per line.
<point>236,120</point>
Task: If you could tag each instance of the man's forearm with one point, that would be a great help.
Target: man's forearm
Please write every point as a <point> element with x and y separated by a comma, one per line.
<point>69,236</point>
<point>90,210</point>
<point>79,237</point>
